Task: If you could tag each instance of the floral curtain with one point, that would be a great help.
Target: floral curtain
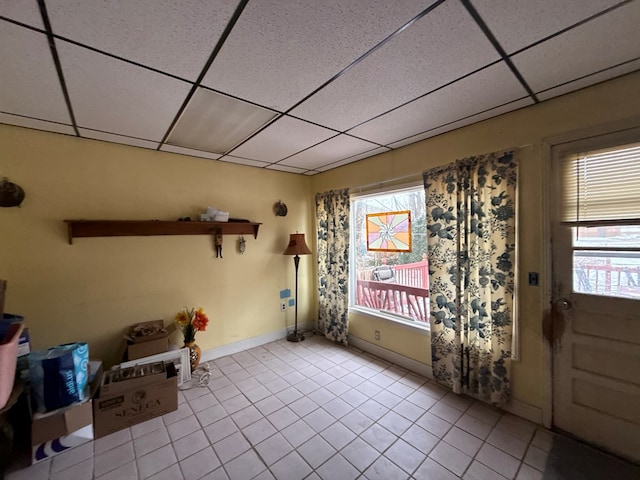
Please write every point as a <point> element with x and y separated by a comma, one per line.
<point>332,217</point>
<point>471,236</point>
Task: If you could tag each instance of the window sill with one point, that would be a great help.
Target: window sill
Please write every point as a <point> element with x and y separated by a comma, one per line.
<point>388,317</point>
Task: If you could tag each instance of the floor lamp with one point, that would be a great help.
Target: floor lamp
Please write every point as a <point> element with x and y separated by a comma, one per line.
<point>297,247</point>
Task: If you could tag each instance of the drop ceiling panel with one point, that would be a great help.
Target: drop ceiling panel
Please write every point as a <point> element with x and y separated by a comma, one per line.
<point>284,137</point>
<point>110,137</point>
<point>216,123</point>
<point>333,150</point>
<point>36,124</point>
<point>243,161</point>
<point>601,43</point>
<point>284,168</point>
<point>279,52</point>
<point>352,159</point>
<point>467,121</point>
<point>189,151</point>
<point>23,11</point>
<point>590,80</point>
<point>29,83</point>
<point>484,90</point>
<point>442,46</point>
<point>519,23</point>
<point>175,37</point>
<point>117,97</point>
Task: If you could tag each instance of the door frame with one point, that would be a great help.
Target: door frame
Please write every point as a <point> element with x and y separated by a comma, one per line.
<point>549,193</point>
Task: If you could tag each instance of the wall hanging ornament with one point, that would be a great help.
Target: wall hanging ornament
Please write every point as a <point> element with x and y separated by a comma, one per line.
<point>242,245</point>
<point>11,195</point>
<point>280,209</point>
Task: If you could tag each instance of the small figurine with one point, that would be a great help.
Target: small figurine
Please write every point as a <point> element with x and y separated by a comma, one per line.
<point>218,241</point>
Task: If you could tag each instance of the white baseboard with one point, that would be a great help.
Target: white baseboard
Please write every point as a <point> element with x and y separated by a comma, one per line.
<point>524,410</point>
<point>247,343</point>
<point>393,357</point>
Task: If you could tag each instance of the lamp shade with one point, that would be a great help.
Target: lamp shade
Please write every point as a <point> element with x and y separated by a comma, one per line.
<point>297,245</point>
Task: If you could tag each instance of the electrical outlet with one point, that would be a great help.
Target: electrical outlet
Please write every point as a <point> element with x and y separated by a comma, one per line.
<point>376,334</point>
<point>283,306</point>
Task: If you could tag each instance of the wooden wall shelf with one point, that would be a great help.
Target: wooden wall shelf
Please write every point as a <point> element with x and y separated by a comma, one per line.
<point>129,228</point>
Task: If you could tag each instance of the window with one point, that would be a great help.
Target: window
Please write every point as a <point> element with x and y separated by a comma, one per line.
<point>388,269</point>
<point>602,204</point>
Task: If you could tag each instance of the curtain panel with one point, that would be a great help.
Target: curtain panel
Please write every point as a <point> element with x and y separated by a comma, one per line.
<point>471,236</point>
<point>332,217</point>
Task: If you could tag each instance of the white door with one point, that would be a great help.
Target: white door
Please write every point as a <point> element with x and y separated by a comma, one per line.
<point>596,293</point>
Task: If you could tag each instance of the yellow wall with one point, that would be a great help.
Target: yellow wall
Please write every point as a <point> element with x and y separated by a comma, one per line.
<point>93,289</point>
<point>527,128</point>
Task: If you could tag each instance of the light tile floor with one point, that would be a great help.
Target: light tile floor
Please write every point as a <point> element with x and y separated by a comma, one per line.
<point>312,410</point>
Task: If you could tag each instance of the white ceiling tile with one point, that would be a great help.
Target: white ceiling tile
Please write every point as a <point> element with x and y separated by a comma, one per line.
<point>334,149</point>
<point>598,44</point>
<point>518,23</point>
<point>355,158</point>
<point>217,123</point>
<point>279,52</point>
<point>36,124</point>
<point>590,80</point>
<point>444,45</point>
<point>110,137</point>
<point>175,37</point>
<point>284,168</point>
<point>28,78</point>
<point>282,138</point>
<point>24,11</point>
<point>117,97</point>
<point>243,161</point>
<point>467,121</point>
<point>189,151</point>
<point>486,89</point>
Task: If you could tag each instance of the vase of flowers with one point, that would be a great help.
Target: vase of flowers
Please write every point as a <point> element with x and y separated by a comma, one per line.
<point>190,321</point>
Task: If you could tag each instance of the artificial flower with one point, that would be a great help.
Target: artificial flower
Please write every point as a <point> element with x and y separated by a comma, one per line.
<point>191,321</point>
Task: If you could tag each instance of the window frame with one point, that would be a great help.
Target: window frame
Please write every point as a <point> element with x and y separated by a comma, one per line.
<point>353,277</point>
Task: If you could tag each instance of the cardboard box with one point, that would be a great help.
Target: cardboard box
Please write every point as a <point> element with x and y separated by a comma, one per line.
<point>122,379</point>
<point>135,404</point>
<point>140,345</point>
<point>58,431</point>
<point>141,350</point>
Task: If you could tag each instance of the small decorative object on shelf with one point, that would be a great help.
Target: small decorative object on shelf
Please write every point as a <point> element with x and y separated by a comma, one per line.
<point>191,321</point>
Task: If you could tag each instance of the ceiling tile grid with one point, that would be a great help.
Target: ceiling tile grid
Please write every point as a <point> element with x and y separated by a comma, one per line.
<point>114,96</point>
<point>494,85</point>
<point>583,50</point>
<point>279,52</point>
<point>329,151</point>
<point>337,80</point>
<point>519,23</point>
<point>494,112</point>
<point>174,37</point>
<point>284,137</point>
<point>22,11</point>
<point>36,124</point>
<point>28,79</point>
<point>189,151</point>
<point>442,46</point>
<point>113,138</point>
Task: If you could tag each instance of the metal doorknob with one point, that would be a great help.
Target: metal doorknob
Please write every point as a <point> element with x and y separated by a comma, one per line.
<point>563,304</point>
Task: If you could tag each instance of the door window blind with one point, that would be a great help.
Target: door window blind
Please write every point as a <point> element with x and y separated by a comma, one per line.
<point>601,186</point>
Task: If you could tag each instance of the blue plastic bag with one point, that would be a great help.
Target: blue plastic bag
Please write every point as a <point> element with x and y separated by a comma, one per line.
<point>59,375</point>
